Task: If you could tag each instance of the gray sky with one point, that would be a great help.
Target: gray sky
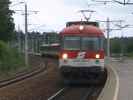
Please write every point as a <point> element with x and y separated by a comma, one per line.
<point>53,14</point>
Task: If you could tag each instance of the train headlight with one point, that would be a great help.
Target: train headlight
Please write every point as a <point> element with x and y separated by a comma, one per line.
<point>97,56</point>
<point>81,27</point>
<point>65,56</point>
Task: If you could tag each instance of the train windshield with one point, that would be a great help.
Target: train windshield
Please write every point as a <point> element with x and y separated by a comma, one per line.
<point>82,43</point>
<point>90,43</point>
<point>71,43</point>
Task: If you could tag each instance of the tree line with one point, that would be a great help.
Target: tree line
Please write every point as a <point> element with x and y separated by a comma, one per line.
<point>123,45</point>
<point>6,21</point>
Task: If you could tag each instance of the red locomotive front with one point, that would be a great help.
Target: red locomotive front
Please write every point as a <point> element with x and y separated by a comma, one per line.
<point>81,55</point>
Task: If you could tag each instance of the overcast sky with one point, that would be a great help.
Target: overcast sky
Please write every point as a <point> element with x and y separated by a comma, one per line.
<point>53,14</point>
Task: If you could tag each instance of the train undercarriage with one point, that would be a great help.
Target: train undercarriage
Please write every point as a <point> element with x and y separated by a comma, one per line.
<point>89,75</point>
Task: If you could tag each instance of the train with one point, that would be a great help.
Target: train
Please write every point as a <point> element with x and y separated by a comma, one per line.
<point>81,54</point>
<point>50,49</point>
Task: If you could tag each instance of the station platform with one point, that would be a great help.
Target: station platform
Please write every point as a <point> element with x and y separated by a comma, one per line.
<point>124,71</point>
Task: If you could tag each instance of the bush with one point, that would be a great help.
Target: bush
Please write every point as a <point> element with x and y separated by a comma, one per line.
<point>3,50</point>
<point>10,59</point>
<point>130,54</point>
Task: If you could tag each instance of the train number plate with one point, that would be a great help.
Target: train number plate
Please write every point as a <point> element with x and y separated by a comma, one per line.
<point>80,60</point>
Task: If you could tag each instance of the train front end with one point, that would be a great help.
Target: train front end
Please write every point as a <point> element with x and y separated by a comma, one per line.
<point>82,53</point>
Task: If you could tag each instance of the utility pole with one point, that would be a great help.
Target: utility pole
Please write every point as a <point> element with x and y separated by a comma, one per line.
<point>108,30</point>
<point>26,36</point>
<point>26,30</point>
<point>108,38</point>
<point>19,39</point>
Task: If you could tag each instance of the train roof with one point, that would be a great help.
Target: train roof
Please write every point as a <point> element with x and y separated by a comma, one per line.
<point>82,23</point>
<point>82,30</point>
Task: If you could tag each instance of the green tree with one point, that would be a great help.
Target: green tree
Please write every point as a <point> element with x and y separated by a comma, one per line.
<point>130,45</point>
<point>115,45</point>
<point>6,21</point>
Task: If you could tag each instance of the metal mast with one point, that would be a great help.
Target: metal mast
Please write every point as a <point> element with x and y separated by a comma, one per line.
<point>108,40</point>
<point>26,36</point>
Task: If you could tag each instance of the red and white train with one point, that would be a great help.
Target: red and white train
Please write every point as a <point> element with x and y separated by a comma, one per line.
<point>81,56</point>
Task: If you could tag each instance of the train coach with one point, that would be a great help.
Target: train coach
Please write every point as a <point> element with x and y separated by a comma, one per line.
<point>81,55</point>
<point>50,49</point>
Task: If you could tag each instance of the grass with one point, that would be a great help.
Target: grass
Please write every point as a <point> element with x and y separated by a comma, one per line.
<point>11,61</point>
<point>130,55</point>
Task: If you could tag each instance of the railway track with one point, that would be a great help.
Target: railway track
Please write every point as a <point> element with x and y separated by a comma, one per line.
<point>23,75</point>
<point>77,93</point>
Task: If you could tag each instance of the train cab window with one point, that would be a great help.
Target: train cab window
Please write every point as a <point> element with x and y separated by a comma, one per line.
<point>71,43</point>
<point>101,43</point>
<point>90,43</point>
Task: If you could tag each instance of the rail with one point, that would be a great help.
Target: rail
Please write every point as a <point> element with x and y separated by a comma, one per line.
<point>22,76</point>
<point>77,93</point>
